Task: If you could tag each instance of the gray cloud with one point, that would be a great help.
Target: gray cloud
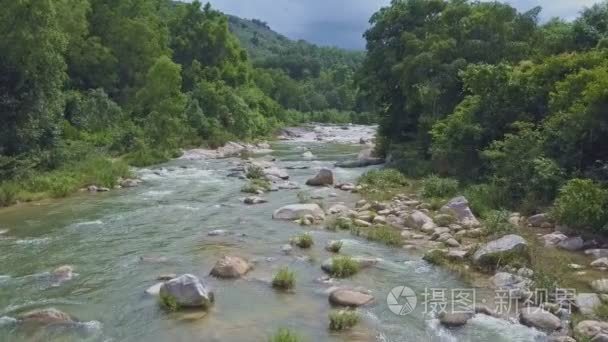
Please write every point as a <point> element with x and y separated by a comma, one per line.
<point>342,22</point>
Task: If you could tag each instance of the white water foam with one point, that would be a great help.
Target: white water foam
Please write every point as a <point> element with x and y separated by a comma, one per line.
<point>39,241</point>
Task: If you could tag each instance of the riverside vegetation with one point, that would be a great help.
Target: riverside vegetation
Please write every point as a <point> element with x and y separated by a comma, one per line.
<point>133,81</point>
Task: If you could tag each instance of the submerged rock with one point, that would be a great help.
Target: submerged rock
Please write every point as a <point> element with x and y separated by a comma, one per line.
<point>62,273</point>
<point>323,177</point>
<point>186,291</point>
<point>45,317</point>
<point>231,267</point>
<point>297,211</point>
<point>254,200</point>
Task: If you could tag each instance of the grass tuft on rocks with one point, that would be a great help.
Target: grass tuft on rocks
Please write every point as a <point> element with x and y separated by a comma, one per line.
<point>344,267</point>
<point>386,235</point>
<point>341,320</point>
<point>285,335</point>
<point>284,280</point>
<point>304,241</point>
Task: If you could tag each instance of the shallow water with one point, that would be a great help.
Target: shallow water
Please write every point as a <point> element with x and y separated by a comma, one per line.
<point>104,235</point>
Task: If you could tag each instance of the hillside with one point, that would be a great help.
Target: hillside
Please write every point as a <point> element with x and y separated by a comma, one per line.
<point>265,46</point>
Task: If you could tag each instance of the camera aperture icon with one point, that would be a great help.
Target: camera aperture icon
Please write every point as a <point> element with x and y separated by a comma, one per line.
<point>401,300</point>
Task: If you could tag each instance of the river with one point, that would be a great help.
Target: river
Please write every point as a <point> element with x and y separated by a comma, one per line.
<point>105,235</point>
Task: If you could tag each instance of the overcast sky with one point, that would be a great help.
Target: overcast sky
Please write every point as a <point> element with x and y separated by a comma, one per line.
<point>342,22</point>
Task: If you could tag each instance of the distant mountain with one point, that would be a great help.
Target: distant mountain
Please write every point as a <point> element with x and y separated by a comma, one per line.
<point>265,46</point>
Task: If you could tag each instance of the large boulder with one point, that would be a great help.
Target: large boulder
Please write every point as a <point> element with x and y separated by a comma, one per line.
<point>553,239</point>
<point>572,244</point>
<point>459,207</point>
<point>45,317</point>
<point>297,211</point>
<point>538,220</point>
<point>587,303</point>
<point>504,249</point>
<point>323,177</point>
<point>419,220</point>
<point>186,291</point>
<point>231,267</point>
<point>365,158</point>
<point>590,330</point>
<point>351,298</point>
<point>600,285</point>
<point>540,319</point>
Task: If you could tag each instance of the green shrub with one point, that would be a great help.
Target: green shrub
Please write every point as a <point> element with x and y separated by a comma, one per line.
<point>169,303</point>
<point>435,257</point>
<point>256,185</point>
<point>437,187</point>
<point>386,179</point>
<point>284,279</point>
<point>255,172</point>
<point>386,235</point>
<point>8,193</point>
<point>582,204</point>
<point>343,320</point>
<point>344,267</point>
<point>146,156</point>
<point>284,335</point>
<point>304,241</point>
<point>484,198</point>
<point>497,223</point>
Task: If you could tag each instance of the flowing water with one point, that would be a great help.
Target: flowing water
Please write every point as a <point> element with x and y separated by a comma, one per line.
<point>168,218</point>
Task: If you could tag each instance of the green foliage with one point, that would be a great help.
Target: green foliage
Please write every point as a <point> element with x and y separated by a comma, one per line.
<point>483,198</point>
<point>256,185</point>
<point>435,257</point>
<point>255,172</point>
<point>341,320</point>
<point>169,303</point>
<point>582,204</point>
<point>342,223</point>
<point>304,241</point>
<point>284,279</point>
<point>285,335</point>
<point>387,181</point>
<point>386,235</point>
<point>497,223</point>
<point>344,267</point>
<point>437,187</point>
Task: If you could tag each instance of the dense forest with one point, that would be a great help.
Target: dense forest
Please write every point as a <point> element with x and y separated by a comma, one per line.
<point>83,80</point>
<point>515,108</point>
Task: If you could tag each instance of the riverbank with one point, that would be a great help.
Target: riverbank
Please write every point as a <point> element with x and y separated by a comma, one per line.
<point>532,258</point>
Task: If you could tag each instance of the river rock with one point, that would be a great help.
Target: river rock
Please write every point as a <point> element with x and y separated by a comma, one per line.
<point>571,244</point>
<point>419,220</point>
<point>252,200</point>
<point>600,263</point>
<point>538,220</point>
<point>553,239</point>
<point>231,267</point>
<point>130,183</point>
<point>275,172</point>
<point>455,319</point>
<point>350,298</point>
<point>379,220</point>
<point>540,319</point>
<point>286,249</point>
<point>600,285</point>
<point>323,177</point>
<point>589,330</point>
<point>587,303</point>
<point>297,211</point>
<point>459,207</point>
<point>361,223</point>
<point>338,209</point>
<point>45,317</point>
<point>308,155</point>
<point>597,253</point>
<point>187,291</point>
<point>63,273</point>
<point>505,247</point>
<point>154,290</point>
